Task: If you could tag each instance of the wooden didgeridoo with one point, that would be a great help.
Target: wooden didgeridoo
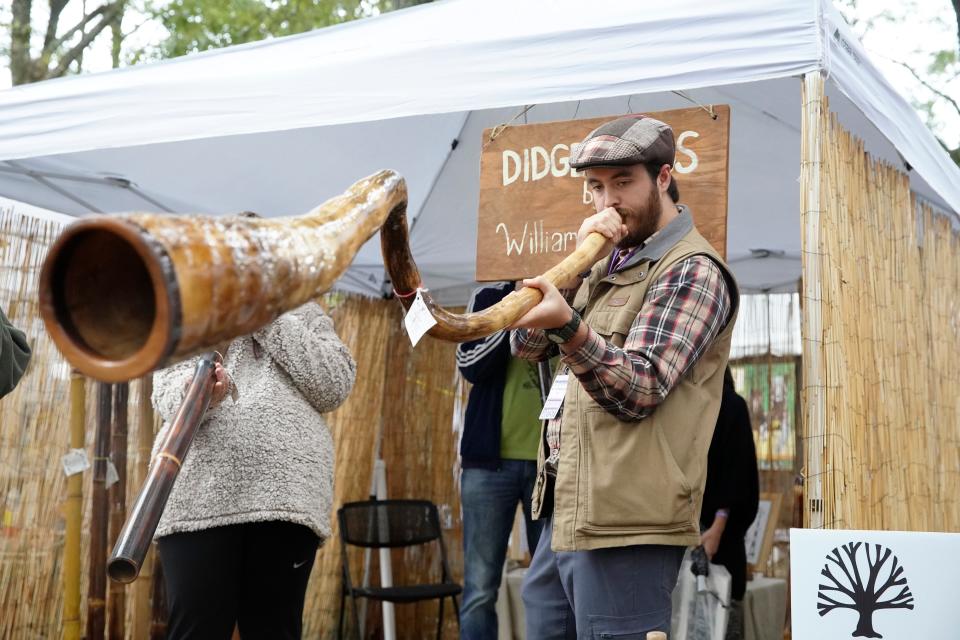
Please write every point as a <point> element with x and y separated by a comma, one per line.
<point>124,295</point>
<point>137,533</point>
<point>454,327</point>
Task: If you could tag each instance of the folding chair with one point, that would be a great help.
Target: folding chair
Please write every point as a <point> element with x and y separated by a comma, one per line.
<point>374,524</point>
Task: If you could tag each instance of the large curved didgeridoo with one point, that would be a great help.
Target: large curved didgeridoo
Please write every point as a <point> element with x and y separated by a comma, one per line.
<point>124,295</point>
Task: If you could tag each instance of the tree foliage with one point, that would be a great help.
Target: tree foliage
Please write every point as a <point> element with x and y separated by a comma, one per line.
<point>60,50</point>
<point>39,47</point>
<point>939,74</point>
<point>199,25</point>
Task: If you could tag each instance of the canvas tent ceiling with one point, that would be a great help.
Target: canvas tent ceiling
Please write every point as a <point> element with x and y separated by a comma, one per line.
<point>281,125</point>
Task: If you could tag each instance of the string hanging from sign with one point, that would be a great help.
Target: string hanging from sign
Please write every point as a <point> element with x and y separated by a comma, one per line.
<point>500,128</point>
<point>707,108</point>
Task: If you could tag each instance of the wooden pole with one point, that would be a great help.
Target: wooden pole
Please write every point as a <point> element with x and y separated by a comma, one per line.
<point>144,582</point>
<point>73,512</point>
<point>97,591</point>
<point>812,397</point>
<point>118,503</point>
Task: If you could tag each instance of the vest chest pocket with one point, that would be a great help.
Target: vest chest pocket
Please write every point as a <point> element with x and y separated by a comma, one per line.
<point>612,323</point>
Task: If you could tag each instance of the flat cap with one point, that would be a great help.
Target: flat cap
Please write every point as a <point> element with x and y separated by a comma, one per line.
<point>628,140</point>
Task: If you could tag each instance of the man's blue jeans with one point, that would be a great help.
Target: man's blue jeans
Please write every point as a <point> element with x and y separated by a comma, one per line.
<point>489,500</point>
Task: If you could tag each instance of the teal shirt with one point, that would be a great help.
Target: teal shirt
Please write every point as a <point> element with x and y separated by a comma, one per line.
<point>519,419</point>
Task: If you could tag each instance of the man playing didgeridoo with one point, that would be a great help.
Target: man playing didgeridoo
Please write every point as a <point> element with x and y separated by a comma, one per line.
<point>644,337</point>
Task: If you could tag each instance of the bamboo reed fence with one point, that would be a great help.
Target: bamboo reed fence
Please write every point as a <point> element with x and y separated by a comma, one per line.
<point>409,395</point>
<point>881,337</point>
<point>34,433</point>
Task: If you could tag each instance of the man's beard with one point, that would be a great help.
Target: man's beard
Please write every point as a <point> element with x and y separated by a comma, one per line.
<point>645,220</point>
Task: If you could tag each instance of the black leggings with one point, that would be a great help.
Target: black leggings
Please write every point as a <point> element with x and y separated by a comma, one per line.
<point>253,574</point>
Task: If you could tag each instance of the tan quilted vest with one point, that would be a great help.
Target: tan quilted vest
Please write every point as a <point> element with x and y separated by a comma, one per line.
<point>625,483</point>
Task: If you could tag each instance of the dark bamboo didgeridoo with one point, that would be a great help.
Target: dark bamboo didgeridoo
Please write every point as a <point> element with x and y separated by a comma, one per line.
<point>137,533</point>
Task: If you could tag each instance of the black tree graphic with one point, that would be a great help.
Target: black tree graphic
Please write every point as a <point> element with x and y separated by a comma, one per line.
<point>865,596</point>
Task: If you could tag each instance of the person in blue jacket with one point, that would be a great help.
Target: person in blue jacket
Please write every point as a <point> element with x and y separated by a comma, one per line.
<point>498,451</point>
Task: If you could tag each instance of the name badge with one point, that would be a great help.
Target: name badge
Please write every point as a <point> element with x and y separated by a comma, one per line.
<point>555,398</point>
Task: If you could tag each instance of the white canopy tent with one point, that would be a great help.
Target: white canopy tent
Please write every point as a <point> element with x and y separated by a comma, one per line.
<point>279,126</point>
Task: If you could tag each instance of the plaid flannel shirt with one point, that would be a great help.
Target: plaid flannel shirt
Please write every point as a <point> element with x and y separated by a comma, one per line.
<point>682,313</point>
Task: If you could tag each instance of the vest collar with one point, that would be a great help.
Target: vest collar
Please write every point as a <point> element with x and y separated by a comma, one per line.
<point>655,247</point>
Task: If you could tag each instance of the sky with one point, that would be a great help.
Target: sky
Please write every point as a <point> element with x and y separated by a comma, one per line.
<point>920,27</point>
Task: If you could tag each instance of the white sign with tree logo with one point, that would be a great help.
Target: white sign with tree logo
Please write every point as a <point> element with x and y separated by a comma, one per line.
<point>873,584</point>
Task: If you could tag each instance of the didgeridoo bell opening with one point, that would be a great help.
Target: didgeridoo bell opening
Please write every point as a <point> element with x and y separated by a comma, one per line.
<point>105,300</point>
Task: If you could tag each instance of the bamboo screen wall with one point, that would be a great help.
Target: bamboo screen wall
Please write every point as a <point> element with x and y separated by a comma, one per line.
<point>881,340</point>
<point>408,393</point>
<point>34,429</point>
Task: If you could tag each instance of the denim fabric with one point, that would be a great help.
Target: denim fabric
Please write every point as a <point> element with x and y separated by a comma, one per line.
<point>489,499</point>
<point>621,592</point>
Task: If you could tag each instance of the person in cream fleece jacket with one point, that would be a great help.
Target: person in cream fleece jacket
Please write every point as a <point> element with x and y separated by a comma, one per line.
<point>252,502</point>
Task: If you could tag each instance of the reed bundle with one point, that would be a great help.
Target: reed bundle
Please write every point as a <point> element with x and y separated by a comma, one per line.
<point>363,325</point>
<point>409,395</point>
<point>34,433</point>
<point>881,333</point>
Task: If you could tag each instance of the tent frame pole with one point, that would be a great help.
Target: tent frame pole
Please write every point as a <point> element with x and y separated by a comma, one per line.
<point>813,393</point>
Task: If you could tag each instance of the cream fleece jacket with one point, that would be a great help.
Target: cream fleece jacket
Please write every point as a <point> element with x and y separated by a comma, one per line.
<point>268,455</point>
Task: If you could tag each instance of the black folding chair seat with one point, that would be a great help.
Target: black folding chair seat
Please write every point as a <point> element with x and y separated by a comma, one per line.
<point>411,593</point>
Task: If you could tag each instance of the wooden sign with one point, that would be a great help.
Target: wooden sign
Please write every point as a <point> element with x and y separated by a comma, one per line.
<point>532,202</point>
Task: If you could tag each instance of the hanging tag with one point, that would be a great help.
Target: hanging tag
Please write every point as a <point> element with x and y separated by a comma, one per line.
<point>418,320</point>
<point>555,398</point>
<point>74,462</point>
<point>112,476</point>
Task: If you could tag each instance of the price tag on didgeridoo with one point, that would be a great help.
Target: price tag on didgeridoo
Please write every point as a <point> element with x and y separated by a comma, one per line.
<point>418,320</point>
<point>555,398</point>
<point>74,462</point>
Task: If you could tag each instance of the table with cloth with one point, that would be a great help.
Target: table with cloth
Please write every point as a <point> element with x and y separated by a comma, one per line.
<point>764,607</point>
